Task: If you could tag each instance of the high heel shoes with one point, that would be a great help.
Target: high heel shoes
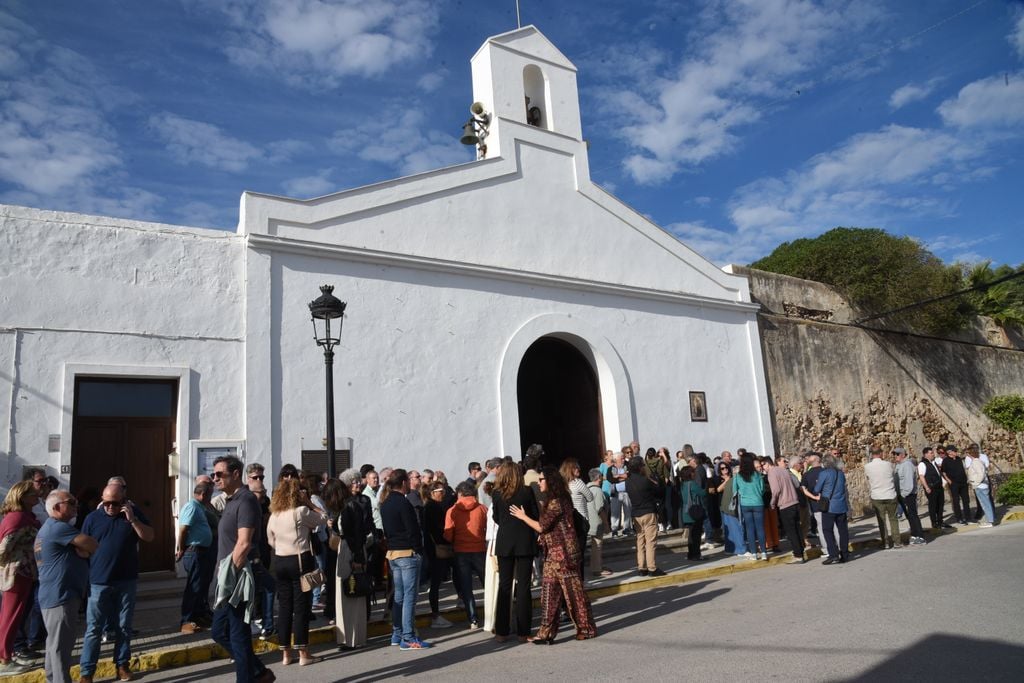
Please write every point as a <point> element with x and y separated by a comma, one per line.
<point>540,641</point>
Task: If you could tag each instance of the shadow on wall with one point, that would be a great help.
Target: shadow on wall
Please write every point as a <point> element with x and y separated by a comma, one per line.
<point>944,657</point>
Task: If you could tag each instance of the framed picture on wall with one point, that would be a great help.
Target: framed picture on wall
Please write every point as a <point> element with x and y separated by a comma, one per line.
<point>698,407</point>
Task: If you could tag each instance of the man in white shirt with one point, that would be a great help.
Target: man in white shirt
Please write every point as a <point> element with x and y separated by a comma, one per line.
<point>880,476</point>
<point>973,451</point>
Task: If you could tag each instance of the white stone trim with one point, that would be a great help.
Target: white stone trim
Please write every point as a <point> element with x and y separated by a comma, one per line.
<point>359,255</point>
<point>613,381</point>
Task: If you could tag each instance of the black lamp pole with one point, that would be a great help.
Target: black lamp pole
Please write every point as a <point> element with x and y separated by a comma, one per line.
<point>327,307</point>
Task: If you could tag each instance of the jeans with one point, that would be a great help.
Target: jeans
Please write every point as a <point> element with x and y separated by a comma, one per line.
<point>192,561</point>
<point>732,534</point>
<point>294,603</point>
<point>113,602</point>
<point>829,523</point>
<point>622,512</point>
<point>405,575</point>
<point>60,622</point>
<point>466,564</point>
<point>230,631</point>
<point>885,512</point>
<point>753,527</point>
<point>266,590</point>
<point>986,504</point>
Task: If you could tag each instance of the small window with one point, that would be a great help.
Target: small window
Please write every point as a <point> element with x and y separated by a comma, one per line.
<point>125,398</point>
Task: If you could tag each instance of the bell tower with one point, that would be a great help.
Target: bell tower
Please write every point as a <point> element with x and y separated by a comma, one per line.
<point>522,79</point>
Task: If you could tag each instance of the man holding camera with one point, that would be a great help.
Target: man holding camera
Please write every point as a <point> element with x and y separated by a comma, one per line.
<point>117,526</point>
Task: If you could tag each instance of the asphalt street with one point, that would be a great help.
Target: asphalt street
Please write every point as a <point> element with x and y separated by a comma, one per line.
<point>951,610</point>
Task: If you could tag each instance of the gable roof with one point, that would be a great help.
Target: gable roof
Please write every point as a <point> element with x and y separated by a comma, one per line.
<point>530,41</point>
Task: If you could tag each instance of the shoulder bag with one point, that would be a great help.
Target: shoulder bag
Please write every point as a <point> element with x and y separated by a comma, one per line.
<point>694,510</point>
<point>307,580</point>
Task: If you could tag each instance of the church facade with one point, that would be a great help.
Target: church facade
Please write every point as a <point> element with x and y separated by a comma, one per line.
<point>490,305</point>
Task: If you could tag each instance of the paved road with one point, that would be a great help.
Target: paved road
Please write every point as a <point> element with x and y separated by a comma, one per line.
<point>948,611</point>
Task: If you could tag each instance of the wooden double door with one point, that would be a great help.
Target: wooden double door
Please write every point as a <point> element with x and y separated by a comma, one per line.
<point>134,447</point>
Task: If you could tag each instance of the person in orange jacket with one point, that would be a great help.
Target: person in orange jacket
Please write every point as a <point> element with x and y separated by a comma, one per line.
<point>465,527</point>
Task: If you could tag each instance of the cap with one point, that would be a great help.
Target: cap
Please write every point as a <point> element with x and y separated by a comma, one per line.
<point>900,451</point>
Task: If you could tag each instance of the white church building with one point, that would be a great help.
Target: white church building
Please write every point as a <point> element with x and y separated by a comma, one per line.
<point>490,305</point>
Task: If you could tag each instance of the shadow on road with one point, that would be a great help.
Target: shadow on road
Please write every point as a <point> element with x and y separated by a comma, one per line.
<point>945,657</point>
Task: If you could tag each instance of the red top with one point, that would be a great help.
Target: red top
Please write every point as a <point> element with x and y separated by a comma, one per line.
<point>465,526</point>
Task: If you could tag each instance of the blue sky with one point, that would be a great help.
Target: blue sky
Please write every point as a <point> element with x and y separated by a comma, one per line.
<point>736,125</point>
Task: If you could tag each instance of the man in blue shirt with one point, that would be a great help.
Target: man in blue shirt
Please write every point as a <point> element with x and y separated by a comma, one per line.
<point>62,556</point>
<point>113,574</point>
<point>193,543</point>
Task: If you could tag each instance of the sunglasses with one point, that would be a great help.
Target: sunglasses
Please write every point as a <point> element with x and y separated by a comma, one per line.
<point>112,503</point>
<point>258,477</point>
<point>219,475</point>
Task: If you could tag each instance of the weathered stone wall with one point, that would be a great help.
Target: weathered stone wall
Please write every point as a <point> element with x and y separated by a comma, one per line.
<point>836,385</point>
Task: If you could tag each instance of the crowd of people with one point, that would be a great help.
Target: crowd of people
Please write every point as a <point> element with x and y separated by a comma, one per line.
<point>336,546</point>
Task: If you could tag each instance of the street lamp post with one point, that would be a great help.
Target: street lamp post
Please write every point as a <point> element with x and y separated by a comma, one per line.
<point>326,308</point>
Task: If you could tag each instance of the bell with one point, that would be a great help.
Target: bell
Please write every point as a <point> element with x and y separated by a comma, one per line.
<point>469,136</point>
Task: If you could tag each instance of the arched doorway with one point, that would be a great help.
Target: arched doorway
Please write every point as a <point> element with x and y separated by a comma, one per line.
<point>559,404</point>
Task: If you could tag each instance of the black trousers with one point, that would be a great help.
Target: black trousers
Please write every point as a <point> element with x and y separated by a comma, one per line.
<point>961,500</point>
<point>936,503</point>
<point>790,518</point>
<point>520,569</point>
<point>909,504</point>
<point>293,605</point>
<point>693,545</point>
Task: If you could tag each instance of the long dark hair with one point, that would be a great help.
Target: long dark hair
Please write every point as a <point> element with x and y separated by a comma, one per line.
<point>747,466</point>
<point>556,484</point>
<point>335,495</point>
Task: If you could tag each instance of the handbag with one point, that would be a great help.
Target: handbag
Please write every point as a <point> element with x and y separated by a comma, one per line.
<point>694,510</point>
<point>307,580</point>
<point>443,551</point>
<point>357,585</point>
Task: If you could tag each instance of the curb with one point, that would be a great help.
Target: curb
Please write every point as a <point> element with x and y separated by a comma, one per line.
<point>199,653</point>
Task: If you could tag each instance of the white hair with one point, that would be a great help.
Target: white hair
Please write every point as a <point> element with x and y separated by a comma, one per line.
<point>52,500</point>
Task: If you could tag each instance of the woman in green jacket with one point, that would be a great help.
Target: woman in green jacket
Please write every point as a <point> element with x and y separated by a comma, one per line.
<point>694,510</point>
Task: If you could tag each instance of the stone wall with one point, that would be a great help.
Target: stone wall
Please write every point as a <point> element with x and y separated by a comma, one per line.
<point>833,384</point>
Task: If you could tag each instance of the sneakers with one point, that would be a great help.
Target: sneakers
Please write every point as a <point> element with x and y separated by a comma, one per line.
<point>12,667</point>
<point>124,673</point>
<point>642,572</point>
<point>474,626</point>
<point>190,627</point>
<point>985,524</point>
<point>656,572</point>
<point>27,659</point>
<point>415,644</point>
<point>916,540</point>
<point>661,528</point>
<point>795,560</point>
<point>759,557</point>
<point>750,556</point>
<point>267,634</point>
<point>439,623</point>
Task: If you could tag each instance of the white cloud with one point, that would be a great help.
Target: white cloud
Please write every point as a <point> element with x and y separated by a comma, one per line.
<point>997,101</point>
<point>404,145</point>
<point>310,186</point>
<point>205,215</point>
<point>702,201</point>
<point>432,81</point>
<point>1016,36</point>
<point>911,92</point>
<point>318,42</point>
<point>57,148</point>
<point>744,63</point>
<point>197,142</point>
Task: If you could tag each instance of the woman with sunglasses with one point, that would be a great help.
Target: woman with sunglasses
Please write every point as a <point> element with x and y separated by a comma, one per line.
<point>561,572</point>
<point>732,530</point>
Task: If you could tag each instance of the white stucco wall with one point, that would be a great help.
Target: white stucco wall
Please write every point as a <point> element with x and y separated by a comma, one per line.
<point>117,297</point>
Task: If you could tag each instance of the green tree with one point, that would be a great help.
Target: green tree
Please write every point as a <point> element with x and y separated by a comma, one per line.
<point>876,272</point>
<point>1004,302</point>
<point>1008,412</point>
